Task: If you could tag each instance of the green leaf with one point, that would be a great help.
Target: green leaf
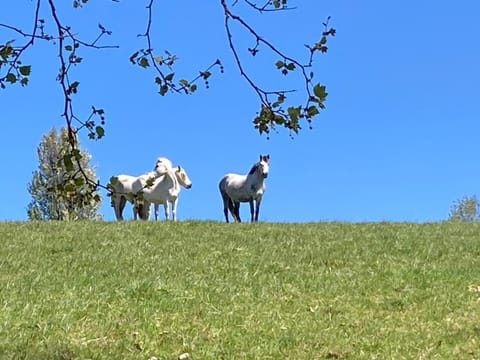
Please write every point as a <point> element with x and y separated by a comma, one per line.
<point>79,181</point>
<point>294,113</point>
<point>150,181</point>
<point>280,100</point>
<point>320,91</point>
<point>100,131</point>
<point>68,47</point>
<point>184,82</point>
<point>169,77</point>
<point>11,78</point>
<point>77,154</point>
<point>290,66</point>
<point>73,88</point>
<point>279,120</point>
<point>6,51</point>
<point>143,62</point>
<point>312,111</point>
<point>25,70</point>
<point>279,64</point>
<point>163,90</point>
<point>67,161</point>
<point>113,182</point>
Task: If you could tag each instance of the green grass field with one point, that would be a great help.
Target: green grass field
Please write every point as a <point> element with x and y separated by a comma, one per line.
<point>145,290</point>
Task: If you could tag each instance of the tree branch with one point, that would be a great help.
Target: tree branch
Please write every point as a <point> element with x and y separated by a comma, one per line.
<point>165,81</point>
<point>272,112</point>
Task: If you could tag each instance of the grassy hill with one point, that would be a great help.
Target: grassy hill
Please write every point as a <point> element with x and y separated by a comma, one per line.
<point>145,290</point>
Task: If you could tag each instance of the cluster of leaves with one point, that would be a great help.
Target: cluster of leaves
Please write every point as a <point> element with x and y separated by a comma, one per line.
<point>165,80</point>
<point>15,72</point>
<point>163,65</point>
<point>274,111</point>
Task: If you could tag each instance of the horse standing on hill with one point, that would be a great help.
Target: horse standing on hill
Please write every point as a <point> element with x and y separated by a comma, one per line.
<point>122,189</point>
<point>236,189</point>
<point>165,190</point>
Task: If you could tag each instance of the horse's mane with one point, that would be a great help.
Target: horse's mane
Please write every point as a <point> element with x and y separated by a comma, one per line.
<point>253,169</point>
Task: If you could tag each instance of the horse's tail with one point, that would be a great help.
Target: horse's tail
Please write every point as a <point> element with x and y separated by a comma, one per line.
<point>227,201</point>
<point>221,187</point>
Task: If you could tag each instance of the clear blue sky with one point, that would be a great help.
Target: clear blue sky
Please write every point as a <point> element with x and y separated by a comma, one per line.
<point>397,142</point>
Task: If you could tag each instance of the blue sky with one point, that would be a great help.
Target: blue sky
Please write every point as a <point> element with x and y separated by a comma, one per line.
<point>398,140</point>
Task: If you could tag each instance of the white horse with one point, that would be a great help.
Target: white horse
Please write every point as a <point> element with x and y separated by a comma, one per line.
<point>122,188</point>
<point>165,190</point>
<point>236,188</point>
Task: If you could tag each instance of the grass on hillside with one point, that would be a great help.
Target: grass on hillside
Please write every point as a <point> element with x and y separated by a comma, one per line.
<point>144,290</point>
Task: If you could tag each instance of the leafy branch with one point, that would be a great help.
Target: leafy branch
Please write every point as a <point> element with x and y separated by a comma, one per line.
<point>272,110</point>
<point>274,5</point>
<point>10,55</point>
<point>68,45</point>
<point>165,81</point>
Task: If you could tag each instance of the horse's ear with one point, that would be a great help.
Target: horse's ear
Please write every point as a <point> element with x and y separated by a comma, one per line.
<point>265,158</point>
<point>179,168</point>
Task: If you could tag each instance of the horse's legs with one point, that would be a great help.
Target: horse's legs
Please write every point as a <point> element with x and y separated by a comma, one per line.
<point>251,210</point>
<point>257,207</point>
<point>118,203</point>
<point>166,209</point>
<point>225,212</point>
<point>141,210</point>
<point>232,209</point>
<point>137,211</point>
<point>121,206</point>
<point>135,208</point>
<point>156,211</point>
<point>145,215</point>
<point>227,205</point>
<point>174,210</point>
<point>236,208</point>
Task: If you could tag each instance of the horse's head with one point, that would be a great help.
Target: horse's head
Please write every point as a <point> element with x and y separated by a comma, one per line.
<point>265,158</point>
<point>182,177</point>
<point>265,163</point>
<point>162,165</point>
<point>262,167</point>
